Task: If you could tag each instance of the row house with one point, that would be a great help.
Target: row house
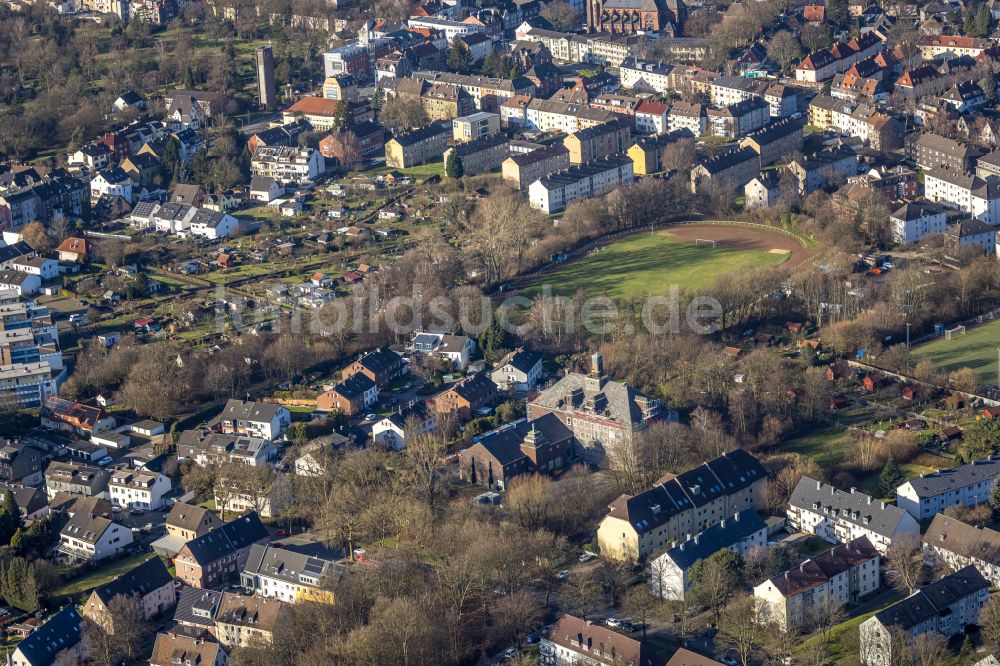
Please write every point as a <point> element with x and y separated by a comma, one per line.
<point>840,517</point>
<point>938,47</point>
<point>556,191</point>
<point>652,118</point>
<point>690,117</point>
<point>141,489</point>
<point>823,64</point>
<point>945,607</point>
<point>487,93</point>
<point>933,150</point>
<point>645,76</point>
<point>949,542</point>
<point>835,578</point>
<point>439,101</point>
<point>417,147</point>
<point>294,569</point>
<point>554,116</point>
<point>221,554</point>
<point>681,505</point>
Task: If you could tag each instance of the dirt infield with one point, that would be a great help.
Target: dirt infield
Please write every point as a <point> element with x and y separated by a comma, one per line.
<point>744,238</point>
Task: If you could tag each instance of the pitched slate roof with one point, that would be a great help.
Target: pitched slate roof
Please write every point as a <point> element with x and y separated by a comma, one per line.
<point>946,480</point>
<point>823,567</point>
<point>186,516</point>
<point>228,538</point>
<point>521,359</point>
<point>505,444</point>
<point>301,560</point>
<point>963,539</point>
<point>584,637</point>
<point>723,534</point>
<point>249,411</point>
<point>59,632</point>
<point>197,606</point>
<point>853,507</point>
<point>416,136</point>
<point>149,576</point>
<point>934,599</point>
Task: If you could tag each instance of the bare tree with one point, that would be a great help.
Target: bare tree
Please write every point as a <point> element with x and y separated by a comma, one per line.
<point>744,625</point>
<point>989,621</point>
<point>904,567</point>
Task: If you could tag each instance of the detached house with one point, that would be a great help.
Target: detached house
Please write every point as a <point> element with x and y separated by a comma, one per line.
<point>141,489</point>
<point>184,523</point>
<point>243,621</point>
<point>518,371</point>
<point>392,430</point>
<point>382,366</point>
<point>297,568</point>
<point>91,538</point>
<point>221,554</point>
<point>175,647</point>
<point>351,396</point>
<point>60,632</point>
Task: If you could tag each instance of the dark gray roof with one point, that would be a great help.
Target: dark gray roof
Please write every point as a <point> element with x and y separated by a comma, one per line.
<point>853,507</point>
<point>197,606</point>
<point>946,480</point>
<point>249,411</point>
<point>933,599</point>
<point>914,210</point>
<point>416,136</point>
<point>299,560</point>
<point>505,444</point>
<point>723,534</point>
<point>149,576</point>
<point>953,535</point>
<point>228,538</point>
<point>59,632</point>
<point>521,359</point>
<point>729,159</point>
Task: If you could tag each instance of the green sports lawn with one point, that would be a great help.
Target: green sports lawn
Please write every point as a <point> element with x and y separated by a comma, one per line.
<point>649,264</point>
<point>977,349</point>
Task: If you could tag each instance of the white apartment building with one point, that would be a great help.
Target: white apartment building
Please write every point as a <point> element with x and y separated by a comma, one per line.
<point>254,419</point>
<point>287,164</point>
<point>28,384</point>
<point>838,516</point>
<point>668,573</point>
<point>652,118</point>
<point>840,576</point>
<point>451,29</point>
<point>93,538</point>
<point>551,116</point>
<point>298,568</point>
<point>916,219</point>
<point>644,76</point>
<point>138,489</point>
<point>967,485</point>
<point>964,191</point>
<point>955,544</point>
<point>553,193</point>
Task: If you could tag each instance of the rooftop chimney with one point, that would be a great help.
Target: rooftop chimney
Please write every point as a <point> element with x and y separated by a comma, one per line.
<point>869,499</point>
<point>883,505</point>
<point>819,485</point>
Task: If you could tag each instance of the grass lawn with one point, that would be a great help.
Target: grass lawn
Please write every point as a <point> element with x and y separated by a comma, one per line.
<point>977,349</point>
<point>420,172</point>
<point>101,575</point>
<point>837,645</point>
<point>827,446</point>
<point>650,264</point>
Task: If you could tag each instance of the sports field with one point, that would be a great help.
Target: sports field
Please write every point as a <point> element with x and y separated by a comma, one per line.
<point>977,349</point>
<point>649,263</point>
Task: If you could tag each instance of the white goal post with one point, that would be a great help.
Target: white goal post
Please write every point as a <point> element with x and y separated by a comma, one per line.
<point>958,330</point>
<point>705,241</point>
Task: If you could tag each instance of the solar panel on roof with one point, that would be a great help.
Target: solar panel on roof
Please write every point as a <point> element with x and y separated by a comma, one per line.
<point>313,566</point>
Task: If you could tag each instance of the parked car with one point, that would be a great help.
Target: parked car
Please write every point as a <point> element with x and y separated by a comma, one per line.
<point>613,622</point>
<point>630,626</point>
<point>586,557</point>
<point>563,575</point>
<point>105,461</point>
<point>731,658</point>
<point>509,654</point>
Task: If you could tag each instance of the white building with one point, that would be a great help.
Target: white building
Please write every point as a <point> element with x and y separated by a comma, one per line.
<point>298,568</point>
<point>287,164</point>
<point>652,117</point>
<point>838,516</point>
<point>916,219</point>
<point>393,429</point>
<point>518,371</point>
<point>840,576</point>
<point>554,192</point>
<point>946,606</point>
<point>931,494</point>
<point>456,348</point>
<point>212,224</point>
<point>27,384</point>
<point>138,489</point>
<point>91,538</point>
<point>254,419</point>
<point>668,573</point>
<point>113,182</point>
<point>644,76</point>
<point>952,543</point>
<point>451,29</point>
<point>965,192</point>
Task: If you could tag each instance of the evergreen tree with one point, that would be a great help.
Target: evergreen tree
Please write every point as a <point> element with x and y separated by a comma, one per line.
<point>989,85</point>
<point>342,116</point>
<point>19,585</point>
<point>458,55</point>
<point>492,64</point>
<point>10,517</point>
<point>982,24</point>
<point>890,477</point>
<point>994,500</point>
<point>493,340</point>
<point>172,160</point>
<point>453,167</point>
<point>378,98</point>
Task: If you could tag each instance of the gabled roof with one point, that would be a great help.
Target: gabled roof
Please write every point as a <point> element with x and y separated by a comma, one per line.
<point>505,444</point>
<point>59,632</point>
<point>148,577</point>
<point>934,599</point>
<point>823,567</point>
<point>475,388</point>
<point>724,534</point>
<point>947,480</point>
<point>951,534</point>
<point>186,516</point>
<point>853,507</point>
<point>228,538</point>
<point>598,643</point>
